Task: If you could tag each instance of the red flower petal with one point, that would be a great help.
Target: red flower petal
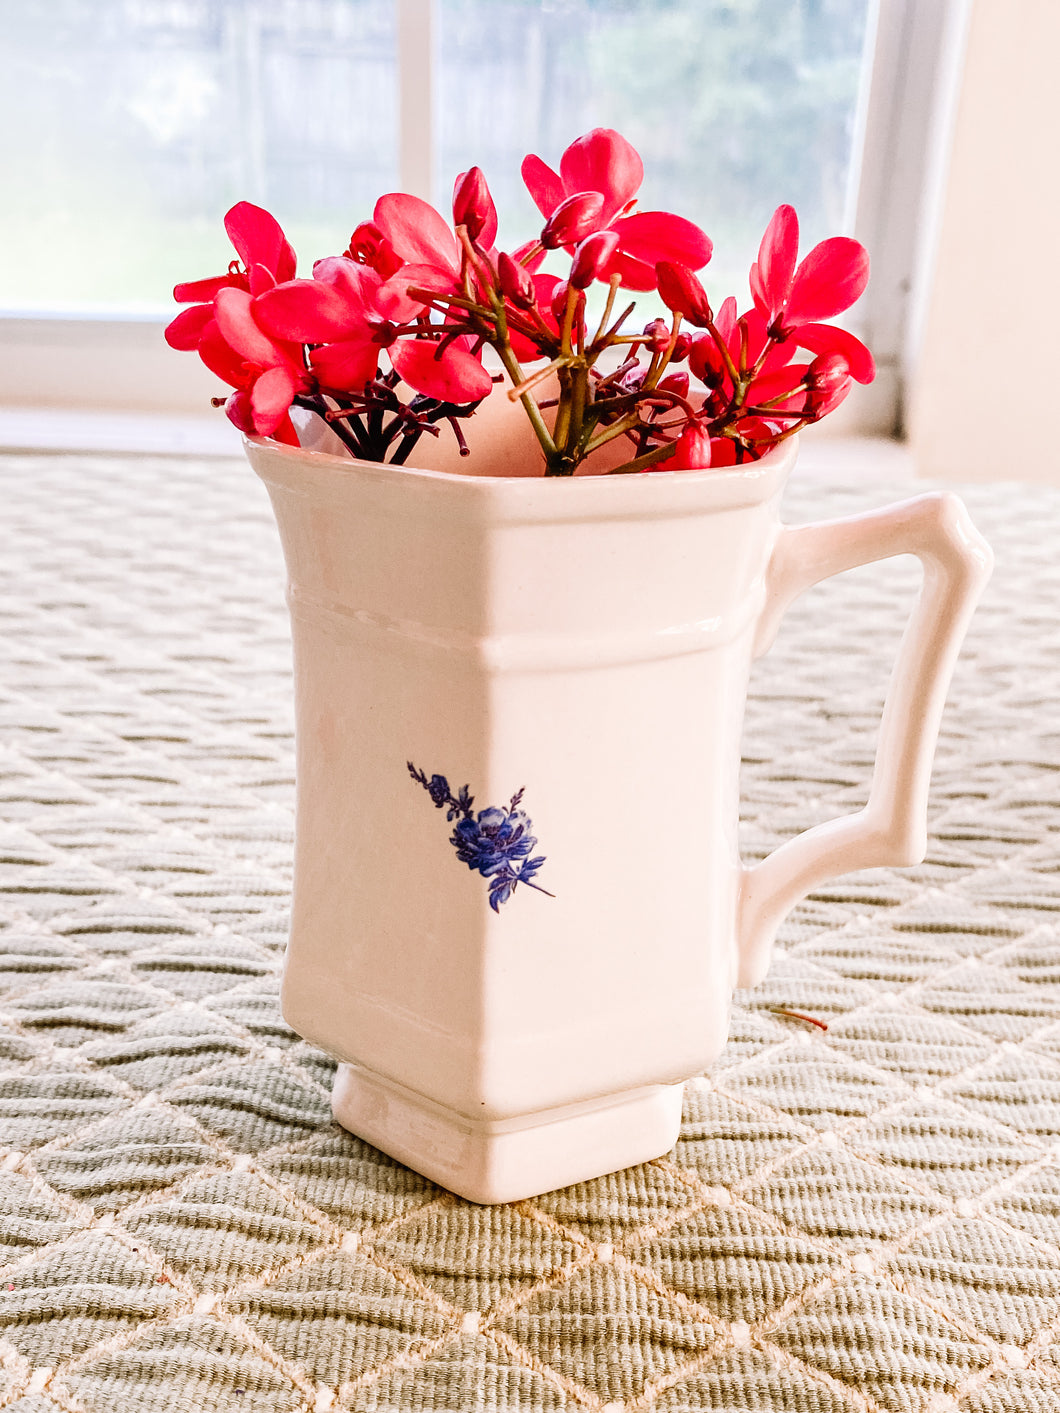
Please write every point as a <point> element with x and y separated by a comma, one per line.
<point>544,185</point>
<point>285,432</point>
<point>416,231</point>
<point>602,160</point>
<point>360,283</point>
<point>634,274</point>
<point>829,280</point>
<point>781,381</point>
<point>186,329</point>
<point>722,451</point>
<point>653,236</point>
<point>725,318</point>
<point>454,376</point>
<point>530,255</point>
<point>345,366</point>
<point>771,275</point>
<point>221,359</point>
<point>235,319</point>
<point>271,398</point>
<point>761,432</point>
<point>259,240</point>
<point>197,291</point>
<point>394,300</point>
<point>314,311</point>
<point>826,338</point>
<point>261,279</point>
<point>525,350</point>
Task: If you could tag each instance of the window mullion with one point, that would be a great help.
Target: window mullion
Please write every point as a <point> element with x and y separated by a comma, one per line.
<point>416,82</point>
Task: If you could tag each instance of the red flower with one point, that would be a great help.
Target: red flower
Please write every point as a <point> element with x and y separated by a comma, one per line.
<point>604,162</point>
<point>267,374</point>
<point>708,363</point>
<point>266,257</point>
<point>828,281</point>
<point>337,310</point>
<point>420,238</point>
<point>368,246</point>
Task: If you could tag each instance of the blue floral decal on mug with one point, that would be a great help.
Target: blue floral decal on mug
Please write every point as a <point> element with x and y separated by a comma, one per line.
<point>497,842</point>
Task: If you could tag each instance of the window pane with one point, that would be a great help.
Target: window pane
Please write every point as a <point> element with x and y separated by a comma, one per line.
<point>132,125</point>
<point>735,105</point>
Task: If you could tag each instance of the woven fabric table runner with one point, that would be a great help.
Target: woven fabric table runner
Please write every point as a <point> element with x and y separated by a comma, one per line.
<point>864,1217</point>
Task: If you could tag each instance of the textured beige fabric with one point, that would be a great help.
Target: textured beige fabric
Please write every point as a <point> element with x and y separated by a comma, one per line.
<point>866,1218</point>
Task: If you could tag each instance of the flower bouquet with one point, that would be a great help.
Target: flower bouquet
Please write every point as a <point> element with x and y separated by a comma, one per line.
<point>515,996</point>
<point>386,341</point>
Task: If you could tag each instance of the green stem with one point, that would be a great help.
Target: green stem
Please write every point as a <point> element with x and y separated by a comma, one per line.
<point>723,349</point>
<point>539,377</point>
<point>616,429</point>
<point>439,302</point>
<point>563,412</point>
<point>511,367</point>
<point>616,280</point>
<point>658,453</point>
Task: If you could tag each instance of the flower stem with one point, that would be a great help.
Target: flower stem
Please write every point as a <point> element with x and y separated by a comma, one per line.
<point>616,280</point>
<point>639,463</point>
<point>538,377</point>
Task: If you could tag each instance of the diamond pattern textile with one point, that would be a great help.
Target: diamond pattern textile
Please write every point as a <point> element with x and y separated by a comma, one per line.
<point>863,1218</point>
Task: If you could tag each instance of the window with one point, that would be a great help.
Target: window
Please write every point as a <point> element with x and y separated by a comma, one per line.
<point>140,121</point>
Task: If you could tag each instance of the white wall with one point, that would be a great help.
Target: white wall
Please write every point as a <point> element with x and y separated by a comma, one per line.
<point>982,397</point>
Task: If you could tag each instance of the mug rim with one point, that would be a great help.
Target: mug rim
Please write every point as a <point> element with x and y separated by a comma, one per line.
<point>634,495</point>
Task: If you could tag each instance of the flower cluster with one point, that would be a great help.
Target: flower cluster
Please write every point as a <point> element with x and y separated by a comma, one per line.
<point>386,341</point>
<point>497,842</point>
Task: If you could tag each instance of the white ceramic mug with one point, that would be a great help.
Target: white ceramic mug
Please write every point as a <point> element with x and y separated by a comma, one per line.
<point>574,655</point>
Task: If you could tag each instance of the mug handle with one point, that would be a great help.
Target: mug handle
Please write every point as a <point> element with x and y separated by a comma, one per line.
<point>892,827</point>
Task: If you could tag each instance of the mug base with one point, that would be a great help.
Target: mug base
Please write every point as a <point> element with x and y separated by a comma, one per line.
<point>510,1159</point>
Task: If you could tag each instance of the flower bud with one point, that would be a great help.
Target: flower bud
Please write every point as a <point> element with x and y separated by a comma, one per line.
<point>592,257</point>
<point>516,282</point>
<point>692,451</point>
<point>369,246</point>
<point>676,383</point>
<point>706,362</point>
<point>657,335</point>
<point>572,219</point>
<point>559,304</point>
<point>682,292</point>
<point>472,204</point>
<point>827,382</point>
<point>681,348</point>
